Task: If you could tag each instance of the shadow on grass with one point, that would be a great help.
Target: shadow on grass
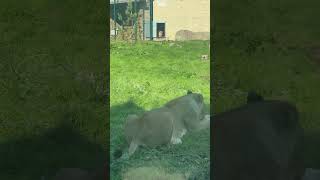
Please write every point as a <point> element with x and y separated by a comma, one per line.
<point>31,158</point>
<point>312,149</point>
<point>124,109</point>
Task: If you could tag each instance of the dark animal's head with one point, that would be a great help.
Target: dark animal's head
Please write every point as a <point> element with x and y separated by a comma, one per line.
<point>189,92</point>
<point>254,97</point>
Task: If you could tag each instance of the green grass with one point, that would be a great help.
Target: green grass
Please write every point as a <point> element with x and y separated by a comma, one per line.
<point>265,46</point>
<point>145,76</point>
<point>53,110</point>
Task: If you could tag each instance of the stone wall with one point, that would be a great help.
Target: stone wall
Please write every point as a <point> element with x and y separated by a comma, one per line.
<point>185,35</point>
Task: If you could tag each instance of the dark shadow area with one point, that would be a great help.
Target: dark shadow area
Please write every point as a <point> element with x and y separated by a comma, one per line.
<point>53,69</point>
<point>31,158</point>
<point>125,109</point>
<point>312,149</point>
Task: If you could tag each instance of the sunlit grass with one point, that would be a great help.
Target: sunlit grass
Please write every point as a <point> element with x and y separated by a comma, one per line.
<point>145,76</point>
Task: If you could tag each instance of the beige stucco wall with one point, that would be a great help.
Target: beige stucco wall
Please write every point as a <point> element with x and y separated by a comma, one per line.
<point>193,15</point>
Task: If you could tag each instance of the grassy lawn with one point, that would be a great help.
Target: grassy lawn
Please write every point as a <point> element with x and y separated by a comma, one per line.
<point>53,110</point>
<point>145,76</point>
<point>266,46</point>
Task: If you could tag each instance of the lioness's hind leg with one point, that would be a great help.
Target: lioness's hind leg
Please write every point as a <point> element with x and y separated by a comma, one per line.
<point>175,140</point>
<point>177,135</point>
<point>133,147</point>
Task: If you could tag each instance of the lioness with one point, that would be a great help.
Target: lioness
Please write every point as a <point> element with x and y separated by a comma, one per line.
<point>167,124</point>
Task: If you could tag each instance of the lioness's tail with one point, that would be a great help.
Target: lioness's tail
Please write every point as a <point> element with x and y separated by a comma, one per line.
<point>118,152</point>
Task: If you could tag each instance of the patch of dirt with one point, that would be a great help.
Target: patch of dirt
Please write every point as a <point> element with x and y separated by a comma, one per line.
<point>206,78</point>
<point>146,173</point>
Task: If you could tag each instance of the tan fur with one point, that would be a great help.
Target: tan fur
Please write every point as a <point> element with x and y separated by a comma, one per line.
<point>166,124</point>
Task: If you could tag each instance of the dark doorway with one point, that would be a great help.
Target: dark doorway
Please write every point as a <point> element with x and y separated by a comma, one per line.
<point>161,27</point>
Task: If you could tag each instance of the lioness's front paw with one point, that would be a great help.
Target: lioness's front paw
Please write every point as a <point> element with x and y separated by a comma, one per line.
<point>125,156</point>
<point>176,141</point>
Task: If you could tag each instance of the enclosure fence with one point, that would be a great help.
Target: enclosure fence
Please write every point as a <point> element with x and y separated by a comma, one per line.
<point>131,20</point>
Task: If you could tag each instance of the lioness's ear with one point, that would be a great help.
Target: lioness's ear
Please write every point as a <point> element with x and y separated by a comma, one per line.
<point>198,98</point>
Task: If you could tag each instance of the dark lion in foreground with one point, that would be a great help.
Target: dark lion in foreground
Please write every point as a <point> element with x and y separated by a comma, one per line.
<point>261,140</point>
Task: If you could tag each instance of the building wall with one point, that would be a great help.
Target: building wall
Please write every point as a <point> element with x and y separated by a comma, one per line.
<point>192,15</point>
